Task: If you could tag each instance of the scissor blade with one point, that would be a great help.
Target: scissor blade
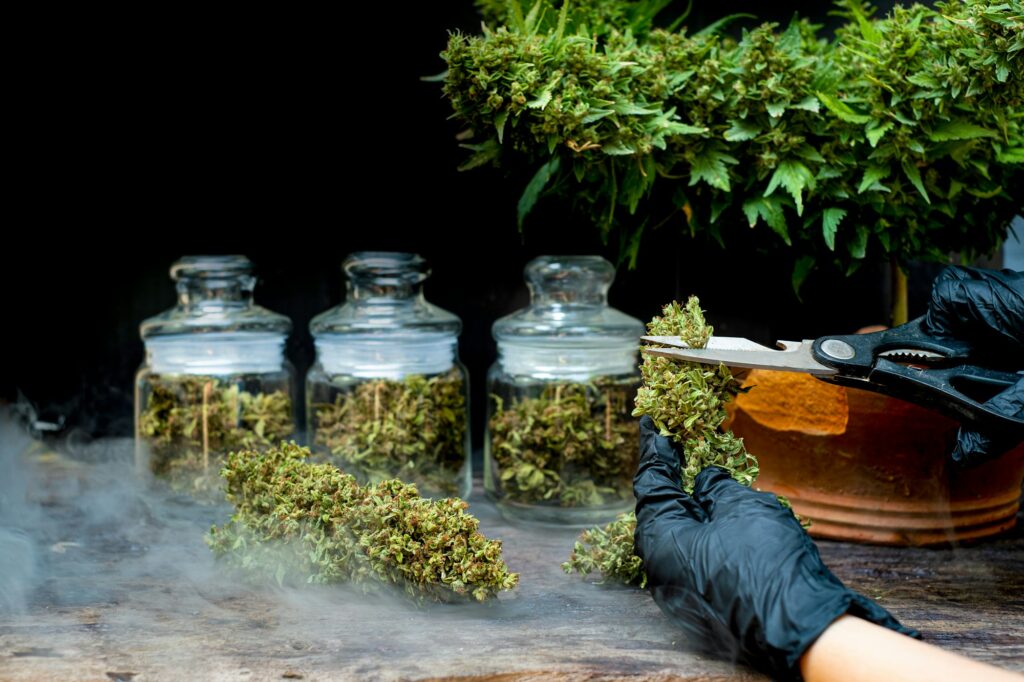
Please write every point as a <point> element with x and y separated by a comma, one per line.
<point>794,356</point>
<point>714,343</point>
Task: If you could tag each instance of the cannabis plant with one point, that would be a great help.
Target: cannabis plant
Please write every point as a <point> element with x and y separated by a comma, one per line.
<point>297,522</point>
<point>413,429</point>
<point>190,423</point>
<point>901,137</point>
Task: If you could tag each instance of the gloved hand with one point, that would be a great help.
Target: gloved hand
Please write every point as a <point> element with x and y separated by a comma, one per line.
<point>732,567</point>
<point>985,307</point>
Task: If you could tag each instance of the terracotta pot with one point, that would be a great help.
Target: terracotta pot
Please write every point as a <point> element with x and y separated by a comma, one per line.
<point>868,468</point>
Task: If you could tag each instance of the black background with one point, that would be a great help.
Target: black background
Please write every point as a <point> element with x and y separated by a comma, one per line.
<point>296,139</point>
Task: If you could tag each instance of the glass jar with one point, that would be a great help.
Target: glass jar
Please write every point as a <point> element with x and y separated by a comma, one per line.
<point>561,444</point>
<point>387,396</point>
<point>215,378</point>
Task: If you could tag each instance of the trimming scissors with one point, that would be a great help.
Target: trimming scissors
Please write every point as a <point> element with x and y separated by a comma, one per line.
<point>906,362</point>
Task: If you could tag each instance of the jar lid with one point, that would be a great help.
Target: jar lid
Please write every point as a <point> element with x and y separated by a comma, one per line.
<point>215,296</point>
<point>568,305</point>
<point>384,299</point>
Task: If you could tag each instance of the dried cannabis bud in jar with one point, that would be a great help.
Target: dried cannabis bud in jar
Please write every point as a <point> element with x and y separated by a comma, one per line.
<point>387,396</point>
<point>190,423</point>
<point>560,446</point>
<point>413,429</point>
<point>687,403</point>
<point>296,522</point>
<point>573,446</point>
<point>215,377</point>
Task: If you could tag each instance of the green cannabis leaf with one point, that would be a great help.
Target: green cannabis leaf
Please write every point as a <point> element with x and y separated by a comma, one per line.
<point>296,522</point>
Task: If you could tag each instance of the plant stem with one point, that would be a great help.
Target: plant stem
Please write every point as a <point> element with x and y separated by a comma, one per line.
<point>899,295</point>
<point>608,417</point>
<point>207,387</point>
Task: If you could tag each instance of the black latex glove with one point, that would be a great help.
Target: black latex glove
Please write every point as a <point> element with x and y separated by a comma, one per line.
<point>985,307</point>
<point>732,567</point>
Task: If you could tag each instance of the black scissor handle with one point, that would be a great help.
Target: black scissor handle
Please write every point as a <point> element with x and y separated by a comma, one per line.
<point>959,392</point>
<point>855,354</point>
<point>957,384</point>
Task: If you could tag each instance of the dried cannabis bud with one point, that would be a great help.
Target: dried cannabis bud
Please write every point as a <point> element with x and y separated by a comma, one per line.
<point>608,550</point>
<point>686,401</point>
<point>298,522</point>
<point>191,422</point>
<point>572,446</point>
<point>413,429</point>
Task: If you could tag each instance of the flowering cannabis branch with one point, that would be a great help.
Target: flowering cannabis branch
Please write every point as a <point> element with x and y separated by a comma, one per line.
<point>298,522</point>
<point>686,401</point>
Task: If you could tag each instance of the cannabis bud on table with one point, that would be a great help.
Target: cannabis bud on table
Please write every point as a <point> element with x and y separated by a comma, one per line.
<point>387,396</point>
<point>687,403</point>
<point>297,522</point>
<point>560,445</point>
<point>215,378</point>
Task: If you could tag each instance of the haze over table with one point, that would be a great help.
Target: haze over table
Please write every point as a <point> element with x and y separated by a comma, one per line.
<point>122,585</point>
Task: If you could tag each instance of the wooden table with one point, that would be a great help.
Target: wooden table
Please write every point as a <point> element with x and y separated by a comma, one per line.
<point>127,591</point>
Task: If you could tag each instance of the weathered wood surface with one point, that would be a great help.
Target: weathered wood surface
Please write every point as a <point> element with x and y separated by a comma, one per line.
<point>132,594</point>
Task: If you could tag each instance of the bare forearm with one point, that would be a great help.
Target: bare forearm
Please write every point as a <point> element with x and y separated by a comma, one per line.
<point>852,650</point>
